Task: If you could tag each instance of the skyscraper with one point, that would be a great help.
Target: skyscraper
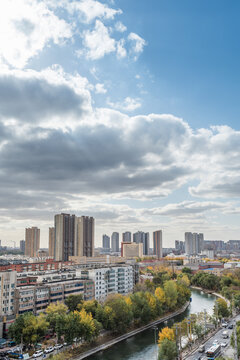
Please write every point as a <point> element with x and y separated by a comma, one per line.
<point>85,236</point>
<point>22,246</point>
<point>157,243</point>
<point>74,236</point>
<point>65,236</point>
<point>115,242</point>
<point>141,237</point>
<point>32,241</point>
<point>194,243</point>
<point>51,241</point>
<point>106,242</point>
<point>127,237</point>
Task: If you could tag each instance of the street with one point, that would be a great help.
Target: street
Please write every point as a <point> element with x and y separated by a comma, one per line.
<point>226,351</point>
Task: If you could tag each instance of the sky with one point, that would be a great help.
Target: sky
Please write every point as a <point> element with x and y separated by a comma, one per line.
<point>127,111</point>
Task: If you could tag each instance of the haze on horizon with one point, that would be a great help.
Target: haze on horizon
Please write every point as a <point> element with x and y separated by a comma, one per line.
<point>127,111</point>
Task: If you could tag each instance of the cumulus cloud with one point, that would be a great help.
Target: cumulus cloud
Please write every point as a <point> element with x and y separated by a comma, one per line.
<point>100,89</point>
<point>119,26</point>
<point>31,96</point>
<point>128,104</point>
<point>98,42</point>
<point>138,43</point>
<point>26,27</point>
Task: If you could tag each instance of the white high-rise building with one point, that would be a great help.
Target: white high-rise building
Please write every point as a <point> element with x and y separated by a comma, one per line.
<point>193,243</point>
<point>8,280</point>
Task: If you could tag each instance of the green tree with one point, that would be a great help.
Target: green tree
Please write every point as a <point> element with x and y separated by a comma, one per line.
<point>74,302</point>
<point>167,350</point>
<point>141,309</point>
<point>56,316</point>
<point>221,308</point>
<point>121,311</point>
<point>29,328</point>
<point>170,288</point>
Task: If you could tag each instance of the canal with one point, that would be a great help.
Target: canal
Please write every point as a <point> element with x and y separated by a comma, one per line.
<point>142,346</point>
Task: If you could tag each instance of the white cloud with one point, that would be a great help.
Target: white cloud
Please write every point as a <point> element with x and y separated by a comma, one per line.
<point>138,42</point>
<point>26,27</point>
<point>121,51</point>
<point>98,42</point>
<point>128,104</point>
<point>89,10</point>
<point>100,89</point>
<point>119,26</point>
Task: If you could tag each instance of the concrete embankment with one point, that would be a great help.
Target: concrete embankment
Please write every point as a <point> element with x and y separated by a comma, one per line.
<point>130,334</point>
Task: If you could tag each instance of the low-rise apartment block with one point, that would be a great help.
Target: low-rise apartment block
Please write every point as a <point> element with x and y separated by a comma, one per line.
<point>110,280</point>
<point>37,298</point>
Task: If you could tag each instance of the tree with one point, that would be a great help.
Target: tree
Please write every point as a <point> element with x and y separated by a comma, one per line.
<point>91,306</point>
<point>221,308</point>
<point>170,288</point>
<point>73,302</point>
<point>56,316</point>
<point>121,311</point>
<point>160,295</point>
<point>167,350</point>
<point>186,270</point>
<point>29,328</point>
<point>166,333</point>
<point>104,315</point>
<point>141,309</point>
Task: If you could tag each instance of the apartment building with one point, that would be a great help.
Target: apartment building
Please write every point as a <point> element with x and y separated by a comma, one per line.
<point>110,280</point>
<point>37,298</point>
<point>7,292</point>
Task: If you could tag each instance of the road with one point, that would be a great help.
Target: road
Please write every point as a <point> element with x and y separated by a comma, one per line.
<point>226,351</point>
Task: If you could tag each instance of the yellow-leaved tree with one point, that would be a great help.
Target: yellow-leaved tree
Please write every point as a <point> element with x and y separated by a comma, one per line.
<point>160,295</point>
<point>166,333</point>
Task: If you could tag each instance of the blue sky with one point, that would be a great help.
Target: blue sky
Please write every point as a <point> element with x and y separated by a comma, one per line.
<point>124,110</point>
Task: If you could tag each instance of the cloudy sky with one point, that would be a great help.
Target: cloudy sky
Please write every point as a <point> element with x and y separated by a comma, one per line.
<point>127,111</point>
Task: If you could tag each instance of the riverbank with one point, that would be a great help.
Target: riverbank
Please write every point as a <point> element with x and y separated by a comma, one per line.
<point>114,341</point>
<point>212,293</point>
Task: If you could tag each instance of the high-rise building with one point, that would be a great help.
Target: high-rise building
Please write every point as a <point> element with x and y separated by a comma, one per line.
<point>146,244</point>
<point>51,241</point>
<point>115,242</point>
<point>157,243</point>
<point>85,236</point>
<point>65,236</point>
<point>106,242</point>
<point>179,246</point>
<point>194,243</point>
<point>141,237</point>
<point>127,236</point>
<point>22,246</point>
<point>32,241</point>
<point>74,236</point>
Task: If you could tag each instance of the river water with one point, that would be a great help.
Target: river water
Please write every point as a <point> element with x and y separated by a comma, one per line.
<point>142,346</point>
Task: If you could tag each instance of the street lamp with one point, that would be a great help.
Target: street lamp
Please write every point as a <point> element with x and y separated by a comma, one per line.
<point>155,328</point>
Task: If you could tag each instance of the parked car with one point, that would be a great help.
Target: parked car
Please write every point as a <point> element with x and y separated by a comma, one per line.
<point>224,324</point>
<point>230,326</point>
<point>225,334</point>
<point>201,349</point>
<point>11,343</point>
<point>223,344</point>
<point>49,349</point>
<point>37,354</point>
<point>58,346</point>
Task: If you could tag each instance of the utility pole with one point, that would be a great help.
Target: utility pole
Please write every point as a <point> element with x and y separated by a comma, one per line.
<point>155,328</point>
<point>235,341</point>
<point>205,321</point>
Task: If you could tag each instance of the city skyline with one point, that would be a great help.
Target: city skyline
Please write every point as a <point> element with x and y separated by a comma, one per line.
<point>108,114</point>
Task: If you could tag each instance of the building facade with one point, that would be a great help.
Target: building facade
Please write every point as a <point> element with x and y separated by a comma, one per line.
<point>22,246</point>
<point>157,244</point>
<point>131,250</point>
<point>37,298</point>
<point>127,237</point>
<point>115,242</point>
<point>51,241</point>
<point>32,241</point>
<point>106,242</point>
<point>110,280</point>
<point>194,243</point>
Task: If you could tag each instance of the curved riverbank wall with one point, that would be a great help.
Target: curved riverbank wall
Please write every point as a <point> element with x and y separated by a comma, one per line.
<point>130,334</point>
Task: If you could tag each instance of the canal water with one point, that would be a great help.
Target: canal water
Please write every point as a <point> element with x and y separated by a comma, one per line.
<point>142,346</point>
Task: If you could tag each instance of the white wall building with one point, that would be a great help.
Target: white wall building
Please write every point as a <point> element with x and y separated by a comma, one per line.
<point>110,280</point>
<point>7,288</point>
